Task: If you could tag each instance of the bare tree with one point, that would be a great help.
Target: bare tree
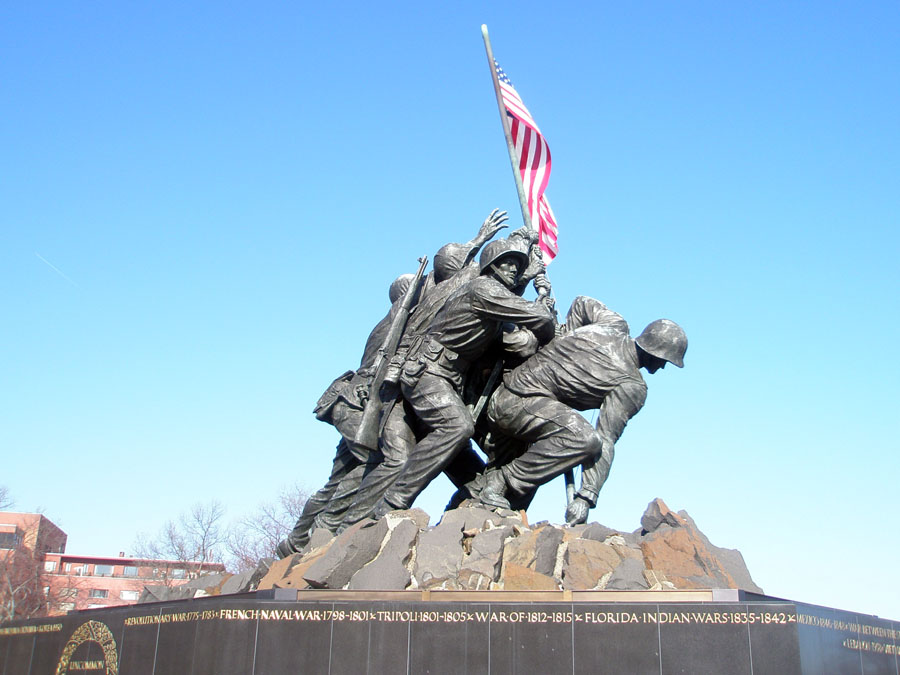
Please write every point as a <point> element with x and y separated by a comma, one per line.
<point>6,499</point>
<point>200,535</point>
<point>255,537</point>
<point>197,537</point>
<point>21,590</point>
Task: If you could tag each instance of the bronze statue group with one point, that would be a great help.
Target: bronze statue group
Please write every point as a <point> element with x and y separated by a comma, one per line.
<point>461,356</point>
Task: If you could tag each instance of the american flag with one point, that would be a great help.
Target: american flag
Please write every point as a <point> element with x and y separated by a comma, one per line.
<point>534,164</point>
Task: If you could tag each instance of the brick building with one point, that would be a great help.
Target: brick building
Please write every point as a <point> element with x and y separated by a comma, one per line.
<point>31,530</point>
<point>85,581</point>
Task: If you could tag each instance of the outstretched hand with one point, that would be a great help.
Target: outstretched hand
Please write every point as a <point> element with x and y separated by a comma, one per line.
<point>577,511</point>
<point>491,225</point>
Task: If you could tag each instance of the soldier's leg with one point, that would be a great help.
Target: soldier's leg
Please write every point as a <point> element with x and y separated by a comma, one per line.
<point>465,466</point>
<point>332,515</point>
<point>522,502</point>
<point>344,463</point>
<point>499,449</point>
<point>560,438</point>
<point>465,471</point>
<point>448,427</point>
<point>397,439</point>
<point>346,419</point>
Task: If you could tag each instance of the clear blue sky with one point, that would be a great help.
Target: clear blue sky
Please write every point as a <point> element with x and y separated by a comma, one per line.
<point>202,206</point>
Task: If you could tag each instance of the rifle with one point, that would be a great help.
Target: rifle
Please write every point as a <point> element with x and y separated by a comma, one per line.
<point>367,433</point>
<point>478,407</point>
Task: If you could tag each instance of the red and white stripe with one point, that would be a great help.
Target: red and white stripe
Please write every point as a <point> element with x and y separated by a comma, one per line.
<point>534,165</point>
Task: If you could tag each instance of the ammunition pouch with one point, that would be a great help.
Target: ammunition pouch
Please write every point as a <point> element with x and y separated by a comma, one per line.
<point>395,365</point>
<point>427,354</point>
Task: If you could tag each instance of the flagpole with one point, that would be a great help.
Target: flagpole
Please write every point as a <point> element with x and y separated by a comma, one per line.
<point>523,202</point>
<point>504,119</point>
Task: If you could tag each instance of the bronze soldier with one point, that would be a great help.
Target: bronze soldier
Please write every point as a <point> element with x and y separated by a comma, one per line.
<point>595,364</point>
<point>454,265</point>
<point>342,405</point>
<point>468,324</point>
<point>359,476</point>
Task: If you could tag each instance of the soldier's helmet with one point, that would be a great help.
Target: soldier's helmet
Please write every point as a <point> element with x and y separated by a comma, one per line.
<point>501,248</point>
<point>449,260</point>
<point>664,339</point>
<point>399,286</point>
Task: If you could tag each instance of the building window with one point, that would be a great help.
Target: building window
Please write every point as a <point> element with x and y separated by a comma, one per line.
<point>130,571</point>
<point>129,595</point>
<point>67,567</point>
<point>49,565</point>
<point>68,593</point>
<point>46,590</point>
<point>103,570</point>
<point>98,593</point>
<point>178,573</point>
<point>9,539</point>
<point>67,606</point>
